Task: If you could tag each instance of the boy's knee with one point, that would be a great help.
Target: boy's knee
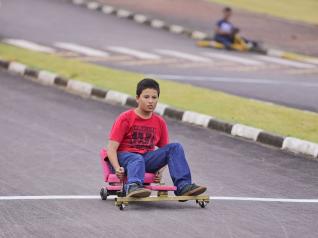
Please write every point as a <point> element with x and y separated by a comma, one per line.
<point>175,146</point>
<point>137,158</point>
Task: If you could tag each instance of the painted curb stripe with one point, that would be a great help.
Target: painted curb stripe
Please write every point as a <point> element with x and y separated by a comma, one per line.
<point>300,146</point>
<point>31,73</point>
<point>220,126</point>
<point>100,93</point>
<point>78,2</point>
<point>160,108</point>
<point>108,9</point>
<point>176,29</point>
<point>121,13</point>
<point>140,18</point>
<point>270,139</point>
<point>4,64</point>
<point>157,24</point>
<point>198,35</point>
<point>59,81</point>
<point>196,118</point>
<point>93,5</point>
<point>46,77</point>
<point>131,102</point>
<point>116,97</point>
<point>173,113</point>
<point>17,68</point>
<point>80,87</point>
<point>245,131</point>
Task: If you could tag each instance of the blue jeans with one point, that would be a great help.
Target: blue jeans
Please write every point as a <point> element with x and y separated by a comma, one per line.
<point>172,155</point>
<point>227,41</point>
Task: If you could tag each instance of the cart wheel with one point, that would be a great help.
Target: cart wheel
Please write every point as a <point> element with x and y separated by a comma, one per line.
<point>202,204</point>
<point>103,194</point>
<point>121,207</point>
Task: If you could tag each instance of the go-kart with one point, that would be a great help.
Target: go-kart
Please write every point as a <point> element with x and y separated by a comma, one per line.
<point>239,44</point>
<point>116,187</point>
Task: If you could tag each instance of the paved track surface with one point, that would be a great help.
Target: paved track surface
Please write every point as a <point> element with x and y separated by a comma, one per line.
<point>49,146</point>
<point>48,22</point>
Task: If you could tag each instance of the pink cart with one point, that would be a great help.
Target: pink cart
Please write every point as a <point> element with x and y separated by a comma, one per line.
<point>115,187</point>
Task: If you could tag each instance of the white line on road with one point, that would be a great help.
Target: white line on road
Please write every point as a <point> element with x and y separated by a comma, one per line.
<point>253,199</point>
<point>233,58</point>
<point>182,55</point>
<point>132,52</point>
<point>87,197</point>
<point>29,45</point>
<point>51,197</point>
<point>285,62</point>
<point>81,49</point>
<point>231,80</point>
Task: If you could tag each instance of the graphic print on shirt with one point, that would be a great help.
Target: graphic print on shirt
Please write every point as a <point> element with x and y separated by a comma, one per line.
<point>142,137</point>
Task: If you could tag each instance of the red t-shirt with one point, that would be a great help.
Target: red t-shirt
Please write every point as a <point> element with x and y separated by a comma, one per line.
<point>139,135</point>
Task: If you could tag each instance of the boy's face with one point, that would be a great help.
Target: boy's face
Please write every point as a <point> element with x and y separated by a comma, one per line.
<point>227,14</point>
<point>148,99</point>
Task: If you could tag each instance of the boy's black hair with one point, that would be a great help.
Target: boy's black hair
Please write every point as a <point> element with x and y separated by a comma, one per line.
<point>147,83</point>
<point>227,9</point>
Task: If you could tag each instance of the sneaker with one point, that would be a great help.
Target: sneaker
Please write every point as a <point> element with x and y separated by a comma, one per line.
<point>137,191</point>
<point>192,190</point>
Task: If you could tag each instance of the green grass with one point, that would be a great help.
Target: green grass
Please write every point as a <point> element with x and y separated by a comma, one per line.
<point>304,10</point>
<point>277,119</point>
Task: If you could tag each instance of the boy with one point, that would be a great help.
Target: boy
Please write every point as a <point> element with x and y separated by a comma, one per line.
<point>227,34</point>
<point>225,30</point>
<point>132,142</point>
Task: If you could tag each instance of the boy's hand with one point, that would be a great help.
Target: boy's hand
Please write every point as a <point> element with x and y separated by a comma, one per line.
<point>158,177</point>
<point>120,173</point>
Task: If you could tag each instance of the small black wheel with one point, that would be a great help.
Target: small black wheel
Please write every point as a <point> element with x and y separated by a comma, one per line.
<point>103,194</point>
<point>121,207</point>
<point>202,204</point>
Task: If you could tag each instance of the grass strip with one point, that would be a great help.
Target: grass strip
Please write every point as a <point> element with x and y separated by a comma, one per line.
<point>269,117</point>
<point>304,11</point>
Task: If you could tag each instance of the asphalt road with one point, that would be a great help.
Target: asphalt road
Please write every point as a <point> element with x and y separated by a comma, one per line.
<point>50,142</point>
<point>49,21</point>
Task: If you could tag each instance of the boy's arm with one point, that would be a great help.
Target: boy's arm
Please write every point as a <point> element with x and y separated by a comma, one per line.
<point>113,159</point>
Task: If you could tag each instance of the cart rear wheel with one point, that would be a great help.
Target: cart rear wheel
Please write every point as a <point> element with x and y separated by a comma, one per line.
<point>202,204</point>
<point>103,194</point>
<point>121,207</point>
